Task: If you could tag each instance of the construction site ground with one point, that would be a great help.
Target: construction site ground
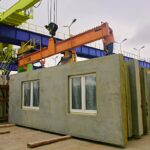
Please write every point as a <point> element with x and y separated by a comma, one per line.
<point>18,138</point>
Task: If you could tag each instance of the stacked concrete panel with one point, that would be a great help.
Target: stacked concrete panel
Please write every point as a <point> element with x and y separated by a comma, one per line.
<point>145,91</point>
<point>108,125</point>
<point>128,99</point>
<point>148,97</point>
<point>144,100</point>
<point>135,88</point>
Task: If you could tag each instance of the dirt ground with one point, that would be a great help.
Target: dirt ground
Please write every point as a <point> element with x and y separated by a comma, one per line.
<point>18,138</point>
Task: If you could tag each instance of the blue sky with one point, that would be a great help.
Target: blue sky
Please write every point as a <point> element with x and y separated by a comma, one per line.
<point>129,19</point>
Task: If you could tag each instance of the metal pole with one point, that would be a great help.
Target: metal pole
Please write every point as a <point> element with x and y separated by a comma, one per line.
<point>139,54</point>
<point>120,49</point>
<point>120,46</point>
<point>69,31</point>
<point>69,26</point>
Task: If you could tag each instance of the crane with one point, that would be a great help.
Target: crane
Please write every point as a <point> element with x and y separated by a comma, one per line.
<point>18,13</point>
<point>53,48</point>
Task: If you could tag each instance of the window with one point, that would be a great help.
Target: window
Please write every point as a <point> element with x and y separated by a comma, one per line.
<point>83,93</point>
<point>31,94</point>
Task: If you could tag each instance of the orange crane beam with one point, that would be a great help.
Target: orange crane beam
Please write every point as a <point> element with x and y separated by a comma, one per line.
<point>54,48</point>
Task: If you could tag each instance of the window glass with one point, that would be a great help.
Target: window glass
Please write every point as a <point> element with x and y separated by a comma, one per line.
<point>27,93</point>
<point>76,93</point>
<point>90,92</point>
<point>31,94</point>
<point>36,93</point>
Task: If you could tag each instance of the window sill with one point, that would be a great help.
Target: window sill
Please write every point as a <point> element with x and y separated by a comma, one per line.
<point>31,108</point>
<point>85,113</point>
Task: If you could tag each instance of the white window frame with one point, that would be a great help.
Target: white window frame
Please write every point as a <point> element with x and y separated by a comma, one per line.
<point>83,95</point>
<point>31,96</point>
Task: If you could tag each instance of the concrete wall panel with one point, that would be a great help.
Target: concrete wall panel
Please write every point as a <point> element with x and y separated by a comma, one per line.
<point>109,125</point>
<point>147,97</point>
<point>128,98</point>
<point>134,78</point>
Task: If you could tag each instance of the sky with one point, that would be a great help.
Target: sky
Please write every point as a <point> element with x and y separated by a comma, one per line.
<point>128,19</point>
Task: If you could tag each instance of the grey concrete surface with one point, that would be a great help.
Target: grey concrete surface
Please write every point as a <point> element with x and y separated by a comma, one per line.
<point>128,99</point>
<point>109,125</point>
<point>147,97</point>
<point>143,99</point>
<point>19,137</point>
<point>134,79</point>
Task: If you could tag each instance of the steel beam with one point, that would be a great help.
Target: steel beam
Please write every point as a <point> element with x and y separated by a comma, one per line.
<point>15,36</point>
